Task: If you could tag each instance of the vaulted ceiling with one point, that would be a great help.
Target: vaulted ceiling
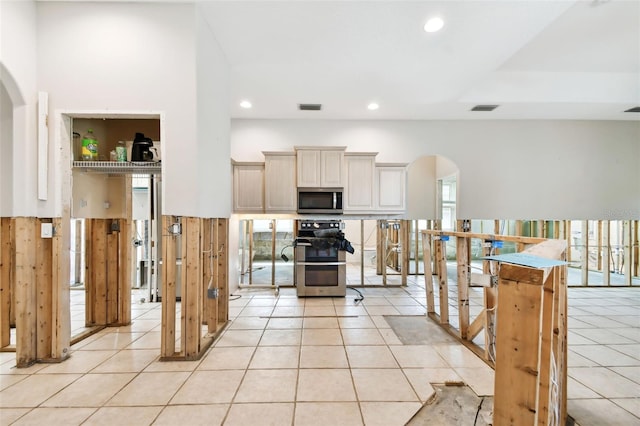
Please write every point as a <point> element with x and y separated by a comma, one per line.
<point>555,59</point>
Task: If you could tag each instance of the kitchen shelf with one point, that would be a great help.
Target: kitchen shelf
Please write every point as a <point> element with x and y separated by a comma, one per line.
<point>120,167</point>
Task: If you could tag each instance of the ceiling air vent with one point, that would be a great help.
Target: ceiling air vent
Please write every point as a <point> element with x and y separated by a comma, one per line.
<point>484,107</point>
<point>309,107</point>
<point>634,109</point>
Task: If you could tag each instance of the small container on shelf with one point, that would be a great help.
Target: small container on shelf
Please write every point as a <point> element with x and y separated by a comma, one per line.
<point>89,146</point>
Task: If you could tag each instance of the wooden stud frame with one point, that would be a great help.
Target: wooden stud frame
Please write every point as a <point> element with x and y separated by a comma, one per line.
<point>203,245</point>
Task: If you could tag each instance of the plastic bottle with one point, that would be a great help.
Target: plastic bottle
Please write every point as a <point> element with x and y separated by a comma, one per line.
<point>89,146</point>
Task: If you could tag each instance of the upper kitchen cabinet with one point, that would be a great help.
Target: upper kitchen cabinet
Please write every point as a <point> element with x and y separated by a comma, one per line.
<point>320,167</point>
<point>359,182</point>
<point>391,183</point>
<point>248,187</point>
<point>280,182</point>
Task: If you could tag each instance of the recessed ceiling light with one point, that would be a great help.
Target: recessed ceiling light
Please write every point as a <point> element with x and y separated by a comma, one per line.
<point>433,25</point>
<point>245,104</point>
<point>373,106</point>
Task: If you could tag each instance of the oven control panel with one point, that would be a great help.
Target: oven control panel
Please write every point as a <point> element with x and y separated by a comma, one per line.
<point>324,224</point>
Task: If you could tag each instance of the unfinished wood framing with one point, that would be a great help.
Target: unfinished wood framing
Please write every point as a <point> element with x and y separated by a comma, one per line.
<point>31,270</point>
<point>524,319</point>
<point>6,280</point>
<point>204,291</point>
<point>107,282</point>
<point>531,369</point>
<point>486,319</point>
<point>428,273</point>
<point>464,274</point>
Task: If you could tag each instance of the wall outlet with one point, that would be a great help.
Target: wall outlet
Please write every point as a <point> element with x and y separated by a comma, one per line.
<point>46,230</point>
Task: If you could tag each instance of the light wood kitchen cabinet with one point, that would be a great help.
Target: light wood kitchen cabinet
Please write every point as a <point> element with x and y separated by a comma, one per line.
<point>248,187</point>
<point>320,167</point>
<point>390,185</point>
<point>280,182</point>
<point>359,194</point>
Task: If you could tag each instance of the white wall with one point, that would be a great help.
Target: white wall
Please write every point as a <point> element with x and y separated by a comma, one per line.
<point>127,57</point>
<point>213,124</point>
<point>421,188</point>
<point>6,153</point>
<point>508,169</point>
<point>18,75</point>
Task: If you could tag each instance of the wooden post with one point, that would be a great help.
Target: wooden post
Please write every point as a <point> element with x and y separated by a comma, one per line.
<point>380,248</point>
<point>405,233</point>
<point>191,287</point>
<point>584,253</point>
<point>111,300</point>
<point>6,268</point>
<point>428,274</point>
<point>209,266</point>
<point>443,283</point>
<point>24,231</point>
<point>274,235</point>
<point>60,298</point>
<point>462,255</point>
<point>626,239</point>
<point>44,286</point>
<point>98,269</point>
<point>89,286</point>
<point>223,271</point>
<point>606,253</point>
<point>636,249</point>
<point>124,270</point>
<point>168,326</point>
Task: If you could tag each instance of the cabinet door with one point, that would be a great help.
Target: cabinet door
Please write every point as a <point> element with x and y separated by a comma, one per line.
<point>308,168</point>
<point>248,188</point>
<point>280,183</point>
<point>331,165</point>
<point>390,185</point>
<point>359,177</point>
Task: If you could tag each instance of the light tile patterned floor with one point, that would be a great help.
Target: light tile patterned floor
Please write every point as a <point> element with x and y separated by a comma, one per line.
<point>315,361</point>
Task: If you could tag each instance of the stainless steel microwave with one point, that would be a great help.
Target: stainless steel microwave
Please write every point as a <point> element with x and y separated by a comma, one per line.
<point>320,200</point>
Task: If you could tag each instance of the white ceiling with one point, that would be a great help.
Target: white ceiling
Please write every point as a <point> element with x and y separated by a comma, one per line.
<point>537,59</point>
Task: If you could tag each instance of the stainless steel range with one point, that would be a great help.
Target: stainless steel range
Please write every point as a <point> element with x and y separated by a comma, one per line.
<point>320,258</point>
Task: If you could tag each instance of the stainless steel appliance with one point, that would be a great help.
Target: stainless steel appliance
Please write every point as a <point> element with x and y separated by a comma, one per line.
<point>320,259</point>
<point>320,200</point>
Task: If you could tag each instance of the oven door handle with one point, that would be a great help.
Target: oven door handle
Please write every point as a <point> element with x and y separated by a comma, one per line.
<point>321,263</point>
